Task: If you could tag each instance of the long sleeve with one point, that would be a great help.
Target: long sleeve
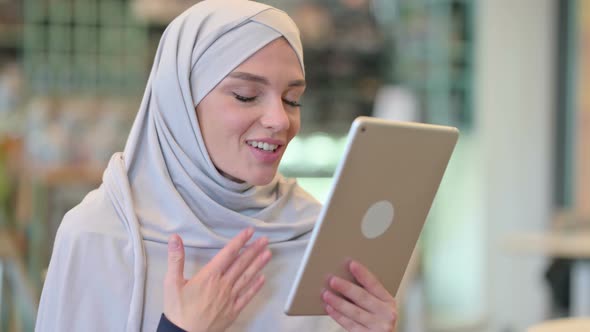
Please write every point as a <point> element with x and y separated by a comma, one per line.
<point>167,326</point>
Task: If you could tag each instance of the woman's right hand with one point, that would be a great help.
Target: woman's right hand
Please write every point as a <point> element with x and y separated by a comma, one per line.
<point>214,297</point>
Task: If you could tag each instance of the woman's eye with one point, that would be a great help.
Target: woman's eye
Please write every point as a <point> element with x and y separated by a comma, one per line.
<point>244,98</point>
<point>291,103</point>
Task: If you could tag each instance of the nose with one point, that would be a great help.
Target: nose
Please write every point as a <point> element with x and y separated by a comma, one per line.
<point>275,117</point>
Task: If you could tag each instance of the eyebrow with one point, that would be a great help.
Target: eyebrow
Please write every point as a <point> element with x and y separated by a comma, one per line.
<point>261,79</point>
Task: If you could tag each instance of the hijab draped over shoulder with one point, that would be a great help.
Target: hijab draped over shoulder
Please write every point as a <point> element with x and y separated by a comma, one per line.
<point>109,256</point>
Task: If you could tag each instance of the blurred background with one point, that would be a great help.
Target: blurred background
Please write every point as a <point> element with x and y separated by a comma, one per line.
<point>506,243</point>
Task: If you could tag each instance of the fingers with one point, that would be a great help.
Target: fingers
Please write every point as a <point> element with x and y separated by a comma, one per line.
<point>249,294</point>
<point>367,305</point>
<point>347,323</point>
<point>175,269</point>
<point>248,263</point>
<point>242,274</point>
<point>349,310</point>
<point>228,254</point>
<point>252,270</point>
<point>358,296</point>
<point>369,281</point>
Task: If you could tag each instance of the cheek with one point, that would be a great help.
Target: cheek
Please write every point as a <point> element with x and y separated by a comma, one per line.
<point>229,120</point>
<point>295,125</point>
<point>236,123</point>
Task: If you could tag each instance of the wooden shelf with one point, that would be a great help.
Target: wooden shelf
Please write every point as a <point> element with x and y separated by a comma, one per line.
<point>159,12</point>
<point>67,175</point>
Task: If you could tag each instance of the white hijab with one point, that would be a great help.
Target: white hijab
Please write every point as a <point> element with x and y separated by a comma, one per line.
<point>165,182</point>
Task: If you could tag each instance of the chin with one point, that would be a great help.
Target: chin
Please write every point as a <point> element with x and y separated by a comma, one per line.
<point>261,179</point>
<point>261,182</point>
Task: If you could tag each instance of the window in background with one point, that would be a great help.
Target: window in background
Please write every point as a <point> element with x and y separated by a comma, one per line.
<point>434,57</point>
<point>84,47</point>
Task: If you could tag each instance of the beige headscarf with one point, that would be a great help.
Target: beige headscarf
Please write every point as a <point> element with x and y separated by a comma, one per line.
<point>165,182</point>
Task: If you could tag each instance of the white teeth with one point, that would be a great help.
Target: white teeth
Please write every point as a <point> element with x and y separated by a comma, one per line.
<point>263,146</point>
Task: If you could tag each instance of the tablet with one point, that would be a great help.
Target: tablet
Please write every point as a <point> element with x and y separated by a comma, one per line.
<point>382,191</point>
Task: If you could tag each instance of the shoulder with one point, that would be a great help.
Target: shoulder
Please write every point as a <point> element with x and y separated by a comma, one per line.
<point>94,215</point>
<point>89,281</point>
<point>92,234</point>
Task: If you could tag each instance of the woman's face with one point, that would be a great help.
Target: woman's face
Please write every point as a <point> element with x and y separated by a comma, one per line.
<point>248,119</point>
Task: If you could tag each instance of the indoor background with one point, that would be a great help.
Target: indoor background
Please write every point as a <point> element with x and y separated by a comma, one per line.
<point>510,74</point>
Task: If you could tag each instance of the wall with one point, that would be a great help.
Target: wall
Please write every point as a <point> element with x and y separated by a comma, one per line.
<point>514,100</point>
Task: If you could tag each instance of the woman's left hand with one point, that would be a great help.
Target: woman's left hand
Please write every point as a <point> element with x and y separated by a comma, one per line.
<point>368,307</point>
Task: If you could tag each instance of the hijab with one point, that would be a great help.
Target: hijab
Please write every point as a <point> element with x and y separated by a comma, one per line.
<point>174,184</point>
<point>165,182</point>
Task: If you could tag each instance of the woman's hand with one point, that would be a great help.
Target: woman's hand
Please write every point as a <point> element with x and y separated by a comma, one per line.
<point>368,307</point>
<point>213,298</point>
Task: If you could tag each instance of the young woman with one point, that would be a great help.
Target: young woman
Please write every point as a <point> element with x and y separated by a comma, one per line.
<point>180,234</point>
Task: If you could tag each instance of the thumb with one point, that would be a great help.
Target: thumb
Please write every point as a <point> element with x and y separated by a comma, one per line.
<point>175,269</point>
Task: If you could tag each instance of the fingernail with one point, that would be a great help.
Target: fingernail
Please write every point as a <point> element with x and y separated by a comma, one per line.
<point>330,280</point>
<point>173,244</point>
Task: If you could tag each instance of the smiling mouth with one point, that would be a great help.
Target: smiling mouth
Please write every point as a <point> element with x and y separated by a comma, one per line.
<point>263,146</point>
